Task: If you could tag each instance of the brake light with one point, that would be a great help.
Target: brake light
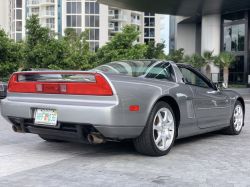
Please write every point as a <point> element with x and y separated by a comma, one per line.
<point>99,87</point>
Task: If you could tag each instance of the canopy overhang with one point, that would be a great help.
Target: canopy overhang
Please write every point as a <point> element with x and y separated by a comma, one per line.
<point>188,8</point>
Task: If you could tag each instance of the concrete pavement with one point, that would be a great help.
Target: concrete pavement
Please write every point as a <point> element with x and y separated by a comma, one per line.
<point>205,160</point>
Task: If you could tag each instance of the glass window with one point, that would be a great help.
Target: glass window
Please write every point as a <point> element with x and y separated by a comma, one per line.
<point>146,14</point>
<point>79,21</point>
<point>96,46</point>
<point>18,36</point>
<point>18,26</point>
<point>96,8</point>
<point>172,25</point>
<point>236,16</point>
<point>96,21</point>
<point>140,68</point>
<point>146,32</point>
<point>234,37</point>
<point>172,45</point>
<point>92,34</point>
<point>73,7</point>
<point>152,32</point>
<point>18,14</point>
<point>152,14</point>
<point>161,71</point>
<point>79,31</point>
<point>92,21</point>
<point>152,22</point>
<point>68,7</point>
<point>13,26</point>
<point>192,78</point>
<point>86,8</point>
<point>92,46</point>
<point>19,3</point>
<point>239,65</point>
<point>74,21</point>
<point>79,8</point>
<point>92,8</point>
<point>146,22</point>
<point>86,21</point>
<point>96,34</point>
<point>68,21</point>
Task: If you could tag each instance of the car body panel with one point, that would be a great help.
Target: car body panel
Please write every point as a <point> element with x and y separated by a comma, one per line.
<point>110,115</point>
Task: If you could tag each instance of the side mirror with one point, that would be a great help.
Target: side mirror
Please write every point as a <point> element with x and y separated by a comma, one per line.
<point>217,84</point>
<point>184,79</point>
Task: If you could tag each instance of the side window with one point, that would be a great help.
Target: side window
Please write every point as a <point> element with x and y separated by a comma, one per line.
<point>163,70</point>
<point>193,78</point>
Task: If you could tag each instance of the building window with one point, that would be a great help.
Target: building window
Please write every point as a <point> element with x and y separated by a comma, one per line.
<point>18,36</point>
<point>18,3</point>
<point>18,26</point>
<point>236,16</point>
<point>74,8</point>
<point>239,65</point>
<point>149,22</point>
<point>92,8</point>
<point>234,37</point>
<point>19,14</point>
<point>94,46</point>
<point>94,34</point>
<point>172,25</point>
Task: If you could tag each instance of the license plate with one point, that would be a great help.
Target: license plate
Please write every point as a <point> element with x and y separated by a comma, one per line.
<point>46,117</point>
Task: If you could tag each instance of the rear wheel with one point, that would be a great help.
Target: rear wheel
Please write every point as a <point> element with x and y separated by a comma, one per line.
<point>237,120</point>
<point>159,133</point>
<point>48,139</point>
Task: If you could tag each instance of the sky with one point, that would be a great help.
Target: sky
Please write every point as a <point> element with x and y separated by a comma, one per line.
<point>165,32</point>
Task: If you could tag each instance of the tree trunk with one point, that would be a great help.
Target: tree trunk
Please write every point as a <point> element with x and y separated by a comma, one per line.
<point>208,72</point>
<point>225,74</point>
<point>193,78</point>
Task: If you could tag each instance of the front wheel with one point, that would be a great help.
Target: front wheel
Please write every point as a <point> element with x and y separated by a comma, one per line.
<point>237,120</point>
<point>159,133</point>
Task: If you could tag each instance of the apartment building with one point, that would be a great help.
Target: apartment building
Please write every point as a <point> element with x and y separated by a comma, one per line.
<point>102,20</point>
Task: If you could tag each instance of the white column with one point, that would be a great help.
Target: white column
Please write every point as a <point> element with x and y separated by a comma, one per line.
<point>211,37</point>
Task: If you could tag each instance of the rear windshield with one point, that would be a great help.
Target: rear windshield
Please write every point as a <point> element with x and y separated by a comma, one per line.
<point>144,69</point>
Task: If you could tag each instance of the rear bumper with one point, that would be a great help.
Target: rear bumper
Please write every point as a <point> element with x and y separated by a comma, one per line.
<point>76,118</point>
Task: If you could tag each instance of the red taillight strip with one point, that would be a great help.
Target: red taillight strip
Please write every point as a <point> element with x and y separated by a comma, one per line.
<point>101,87</point>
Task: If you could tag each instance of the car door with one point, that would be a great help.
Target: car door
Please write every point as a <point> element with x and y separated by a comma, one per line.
<point>212,107</point>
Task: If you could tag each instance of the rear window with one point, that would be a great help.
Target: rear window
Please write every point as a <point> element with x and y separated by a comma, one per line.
<point>143,69</point>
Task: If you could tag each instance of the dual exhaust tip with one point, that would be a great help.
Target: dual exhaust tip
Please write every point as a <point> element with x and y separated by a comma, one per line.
<point>93,137</point>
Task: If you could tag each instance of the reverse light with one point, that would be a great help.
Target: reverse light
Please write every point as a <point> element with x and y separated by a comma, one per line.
<point>134,108</point>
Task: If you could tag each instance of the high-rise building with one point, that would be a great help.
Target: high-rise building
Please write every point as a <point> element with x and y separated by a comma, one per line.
<point>102,20</point>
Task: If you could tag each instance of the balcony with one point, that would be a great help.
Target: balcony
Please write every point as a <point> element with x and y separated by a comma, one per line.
<point>111,13</point>
<point>47,2</point>
<point>118,17</point>
<point>162,26</point>
<point>162,36</point>
<point>135,12</point>
<point>163,16</point>
<point>135,21</point>
<point>49,25</point>
<point>111,26</point>
<point>9,14</point>
<point>111,37</point>
<point>117,29</point>
<point>43,14</point>
<point>9,6</point>
<point>135,42</point>
<point>31,3</point>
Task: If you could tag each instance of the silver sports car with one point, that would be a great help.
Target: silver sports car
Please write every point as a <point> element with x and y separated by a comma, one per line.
<point>152,102</point>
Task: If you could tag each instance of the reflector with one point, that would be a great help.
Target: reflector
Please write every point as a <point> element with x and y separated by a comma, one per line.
<point>134,108</point>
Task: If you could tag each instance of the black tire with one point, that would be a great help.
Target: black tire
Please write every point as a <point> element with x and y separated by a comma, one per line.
<point>231,129</point>
<point>145,143</point>
<point>49,140</point>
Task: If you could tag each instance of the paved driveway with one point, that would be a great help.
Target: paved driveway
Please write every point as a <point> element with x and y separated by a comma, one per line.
<point>206,160</point>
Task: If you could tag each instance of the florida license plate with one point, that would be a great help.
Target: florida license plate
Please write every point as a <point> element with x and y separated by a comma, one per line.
<point>46,117</point>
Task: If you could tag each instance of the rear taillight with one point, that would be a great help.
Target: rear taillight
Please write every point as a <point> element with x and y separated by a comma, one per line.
<point>99,87</point>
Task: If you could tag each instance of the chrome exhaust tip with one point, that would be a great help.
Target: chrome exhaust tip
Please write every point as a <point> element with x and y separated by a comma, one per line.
<point>96,138</point>
<point>17,129</point>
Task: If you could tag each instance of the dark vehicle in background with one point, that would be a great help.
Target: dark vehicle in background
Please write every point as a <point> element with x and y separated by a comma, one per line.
<point>3,88</point>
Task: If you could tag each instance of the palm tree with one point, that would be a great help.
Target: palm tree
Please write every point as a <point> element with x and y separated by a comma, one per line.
<point>176,56</point>
<point>71,33</point>
<point>225,60</point>
<point>195,60</point>
<point>208,56</point>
